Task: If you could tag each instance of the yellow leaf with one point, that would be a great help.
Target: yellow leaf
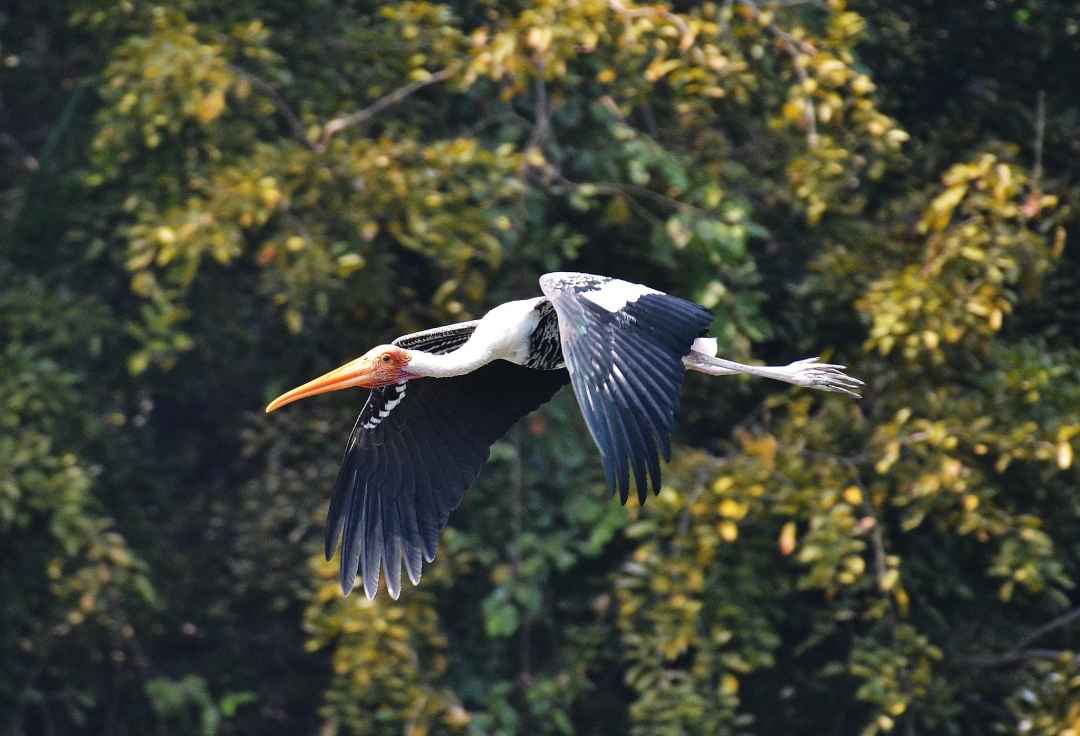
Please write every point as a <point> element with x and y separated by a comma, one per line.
<point>853,495</point>
<point>457,717</point>
<point>539,38</point>
<point>941,209</point>
<point>1064,455</point>
<point>294,320</point>
<point>732,509</point>
<point>902,600</point>
<point>729,684</point>
<point>729,531</point>
<point>165,235</point>
<point>794,111</point>
<point>787,538</point>
<point>862,85</point>
<point>350,262</point>
<point>888,580</point>
<point>143,283</point>
<point>210,106</point>
<point>658,69</point>
<point>1059,242</point>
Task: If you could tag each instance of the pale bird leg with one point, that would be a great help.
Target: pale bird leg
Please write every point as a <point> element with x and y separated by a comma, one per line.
<point>808,373</point>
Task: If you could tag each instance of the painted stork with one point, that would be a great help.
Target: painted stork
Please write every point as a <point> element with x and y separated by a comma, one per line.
<point>419,443</point>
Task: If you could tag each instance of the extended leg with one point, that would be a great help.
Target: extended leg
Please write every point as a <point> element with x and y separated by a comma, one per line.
<point>808,373</point>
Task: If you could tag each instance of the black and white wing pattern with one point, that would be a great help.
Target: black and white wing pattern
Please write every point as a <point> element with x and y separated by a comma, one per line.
<point>545,349</point>
<point>438,340</point>
<point>623,344</point>
<point>416,447</point>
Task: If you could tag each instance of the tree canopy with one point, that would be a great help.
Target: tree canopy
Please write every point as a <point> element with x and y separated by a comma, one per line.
<point>206,203</point>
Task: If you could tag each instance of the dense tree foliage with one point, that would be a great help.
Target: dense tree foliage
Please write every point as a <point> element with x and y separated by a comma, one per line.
<point>206,203</point>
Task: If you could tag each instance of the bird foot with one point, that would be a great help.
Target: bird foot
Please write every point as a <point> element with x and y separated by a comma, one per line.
<point>822,376</point>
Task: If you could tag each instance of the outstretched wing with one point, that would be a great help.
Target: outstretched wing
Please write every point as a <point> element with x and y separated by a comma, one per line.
<point>416,447</point>
<point>623,344</point>
<point>438,340</point>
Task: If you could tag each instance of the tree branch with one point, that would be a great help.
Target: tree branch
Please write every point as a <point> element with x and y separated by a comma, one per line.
<point>542,123</point>
<point>360,117</point>
<point>625,190</point>
<point>1057,623</point>
<point>795,49</point>
<point>654,10</point>
<point>279,102</point>
<point>1012,657</point>
<point>1040,133</point>
<point>1020,652</point>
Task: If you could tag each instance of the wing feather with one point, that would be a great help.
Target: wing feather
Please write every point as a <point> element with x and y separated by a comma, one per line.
<point>623,344</point>
<point>438,340</point>
<point>405,471</point>
<point>372,542</point>
<point>353,536</point>
<point>394,532</point>
<point>335,515</point>
<point>412,550</point>
<point>632,395</point>
<point>639,448</point>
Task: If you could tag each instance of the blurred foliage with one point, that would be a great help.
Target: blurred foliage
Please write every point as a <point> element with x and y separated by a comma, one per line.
<point>208,203</point>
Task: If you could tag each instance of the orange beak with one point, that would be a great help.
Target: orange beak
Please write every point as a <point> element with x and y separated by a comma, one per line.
<point>359,372</point>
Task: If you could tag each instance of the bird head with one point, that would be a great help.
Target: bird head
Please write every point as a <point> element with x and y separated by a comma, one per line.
<point>379,366</point>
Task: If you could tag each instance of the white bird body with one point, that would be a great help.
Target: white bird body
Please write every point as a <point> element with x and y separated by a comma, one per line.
<point>419,443</point>
<point>505,330</point>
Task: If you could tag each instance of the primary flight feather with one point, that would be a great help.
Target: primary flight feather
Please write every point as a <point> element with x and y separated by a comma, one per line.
<point>440,398</point>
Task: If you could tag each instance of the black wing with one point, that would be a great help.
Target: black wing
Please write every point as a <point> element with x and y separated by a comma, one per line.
<point>415,449</point>
<point>623,344</point>
<point>438,340</point>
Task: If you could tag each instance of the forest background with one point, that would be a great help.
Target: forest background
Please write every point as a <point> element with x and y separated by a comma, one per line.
<point>205,203</point>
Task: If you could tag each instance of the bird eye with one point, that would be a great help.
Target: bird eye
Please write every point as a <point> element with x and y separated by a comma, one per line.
<point>386,358</point>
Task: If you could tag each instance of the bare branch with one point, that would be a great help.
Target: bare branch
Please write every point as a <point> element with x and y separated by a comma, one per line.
<point>1013,657</point>
<point>1057,623</point>
<point>542,124</point>
<point>625,190</point>
<point>1040,133</point>
<point>1020,653</point>
<point>796,49</point>
<point>279,102</point>
<point>661,11</point>
<point>794,3</point>
<point>360,117</point>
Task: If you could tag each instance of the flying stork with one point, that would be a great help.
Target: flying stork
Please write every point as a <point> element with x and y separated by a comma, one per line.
<point>441,397</point>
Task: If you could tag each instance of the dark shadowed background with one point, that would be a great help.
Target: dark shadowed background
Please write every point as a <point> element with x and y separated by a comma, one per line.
<point>204,203</point>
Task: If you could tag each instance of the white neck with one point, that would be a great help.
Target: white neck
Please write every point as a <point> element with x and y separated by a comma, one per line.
<point>465,359</point>
<point>503,332</point>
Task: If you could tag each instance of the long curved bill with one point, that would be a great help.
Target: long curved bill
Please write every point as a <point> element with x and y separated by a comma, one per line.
<point>354,373</point>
